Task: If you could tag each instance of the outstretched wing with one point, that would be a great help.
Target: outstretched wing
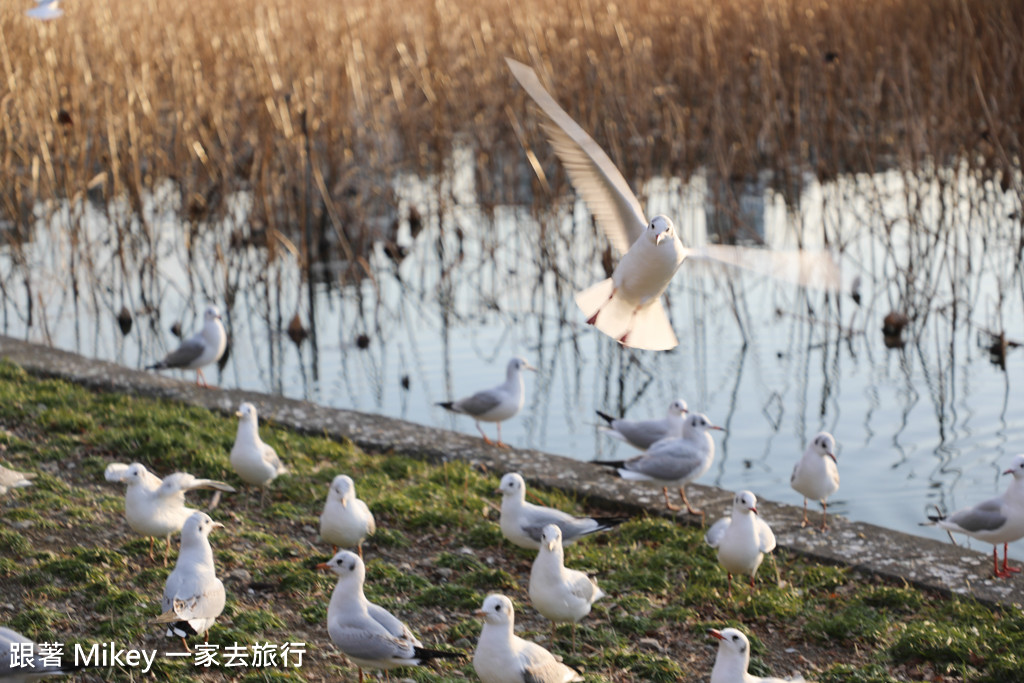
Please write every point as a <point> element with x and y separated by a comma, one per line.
<point>593,174</point>
<point>115,471</point>
<point>183,481</point>
<point>815,269</point>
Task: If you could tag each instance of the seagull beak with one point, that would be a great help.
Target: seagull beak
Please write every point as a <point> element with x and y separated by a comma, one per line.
<point>238,413</point>
<point>530,367</point>
<point>716,427</point>
<point>659,238</point>
<point>322,567</point>
<point>218,525</point>
<point>551,545</point>
<point>753,509</point>
<point>344,502</point>
<point>479,613</point>
<point>833,456</point>
<point>715,633</point>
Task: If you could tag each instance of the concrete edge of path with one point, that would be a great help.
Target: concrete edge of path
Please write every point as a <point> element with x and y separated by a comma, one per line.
<point>893,555</point>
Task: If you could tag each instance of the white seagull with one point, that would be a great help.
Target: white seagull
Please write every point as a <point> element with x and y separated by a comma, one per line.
<point>366,633</point>
<point>643,433</point>
<point>816,476</point>
<point>742,539</point>
<point>673,461</point>
<point>497,404</point>
<point>503,657</point>
<point>561,594</point>
<point>346,520</point>
<point>627,306</point>
<point>998,520</point>
<point>254,461</point>
<point>12,479</point>
<point>45,10</point>
<point>34,666</point>
<point>523,523</point>
<point>193,596</point>
<point>202,348</point>
<point>153,506</point>
<point>733,658</point>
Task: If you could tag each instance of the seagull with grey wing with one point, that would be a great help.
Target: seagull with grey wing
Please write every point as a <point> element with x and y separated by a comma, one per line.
<point>202,348</point>
<point>366,633</point>
<point>627,306</point>
<point>643,433</point>
<point>998,520</point>
<point>154,506</point>
<point>497,404</point>
<point>523,523</point>
<point>673,461</point>
<point>193,596</point>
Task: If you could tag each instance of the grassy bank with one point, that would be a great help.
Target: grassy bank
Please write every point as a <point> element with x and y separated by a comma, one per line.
<point>72,572</point>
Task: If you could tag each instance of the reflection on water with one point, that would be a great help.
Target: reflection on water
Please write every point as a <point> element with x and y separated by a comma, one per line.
<point>435,307</point>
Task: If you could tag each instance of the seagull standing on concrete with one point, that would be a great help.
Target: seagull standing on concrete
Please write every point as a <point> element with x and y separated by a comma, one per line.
<point>998,520</point>
<point>497,404</point>
<point>523,523</point>
<point>202,348</point>
<point>366,633</point>
<point>194,596</point>
<point>742,539</point>
<point>733,659</point>
<point>254,461</point>
<point>155,507</point>
<point>673,461</point>
<point>561,594</point>
<point>346,520</point>
<point>643,433</point>
<point>627,306</point>
<point>503,657</point>
<point>816,475</point>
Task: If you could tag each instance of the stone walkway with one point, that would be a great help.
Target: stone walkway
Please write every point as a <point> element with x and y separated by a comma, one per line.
<point>923,562</point>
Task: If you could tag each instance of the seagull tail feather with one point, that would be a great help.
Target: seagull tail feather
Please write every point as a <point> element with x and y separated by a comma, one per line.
<point>605,416</point>
<point>425,654</point>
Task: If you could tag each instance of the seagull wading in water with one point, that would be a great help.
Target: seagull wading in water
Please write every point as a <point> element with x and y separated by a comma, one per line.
<point>627,306</point>
<point>497,404</point>
<point>998,520</point>
<point>202,348</point>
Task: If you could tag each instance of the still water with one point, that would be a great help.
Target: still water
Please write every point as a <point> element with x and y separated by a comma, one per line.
<point>933,422</point>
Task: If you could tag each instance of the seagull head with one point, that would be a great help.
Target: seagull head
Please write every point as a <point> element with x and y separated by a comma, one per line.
<point>497,609</point>
<point>246,412</point>
<point>824,444</point>
<point>211,313</point>
<point>345,564</point>
<point>199,524</point>
<point>512,485</point>
<point>660,229</point>
<point>135,474</point>
<point>518,364</point>
<point>1016,467</point>
<point>699,422</point>
<point>678,407</point>
<point>744,501</point>
<point>732,642</point>
<point>342,489</point>
<point>551,537</point>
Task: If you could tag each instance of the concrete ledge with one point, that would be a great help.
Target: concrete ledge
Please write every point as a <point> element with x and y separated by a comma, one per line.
<point>893,555</point>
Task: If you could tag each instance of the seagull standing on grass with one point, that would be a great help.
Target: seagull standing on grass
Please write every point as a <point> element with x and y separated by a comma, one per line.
<point>627,306</point>
<point>673,461</point>
<point>497,404</point>
<point>561,594</point>
<point>254,461</point>
<point>733,659</point>
<point>346,520</point>
<point>366,633</point>
<point>202,348</point>
<point>503,657</point>
<point>523,523</point>
<point>12,479</point>
<point>643,433</point>
<point>194,596</point>
<point>998,520</point>
<point>742,539</point>
<point>155,507</point>
<point>816,475</point>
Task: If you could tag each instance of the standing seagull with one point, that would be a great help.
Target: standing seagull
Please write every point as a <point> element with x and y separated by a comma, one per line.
<point>194,596</point>
<point>346,520</point>
<point>998,520</point>
<point>366,633</point>
<point>12,479</point>
<point>816,475</point>
<point>643,433</point>
<point>503,657</point>
<point>742,539</point>
<point>498,404</point>
<point>154,506</point>
<point>561,594</point>
<point>254,461</point>
<point>674,462</point>
<point>627,306</point>
<point>45,10</point>
<point>202,348</point>
<point>523,523</point>
<point>733,659</point>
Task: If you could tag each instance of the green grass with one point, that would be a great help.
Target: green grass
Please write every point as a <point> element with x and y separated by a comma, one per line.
<point>71,570</point>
